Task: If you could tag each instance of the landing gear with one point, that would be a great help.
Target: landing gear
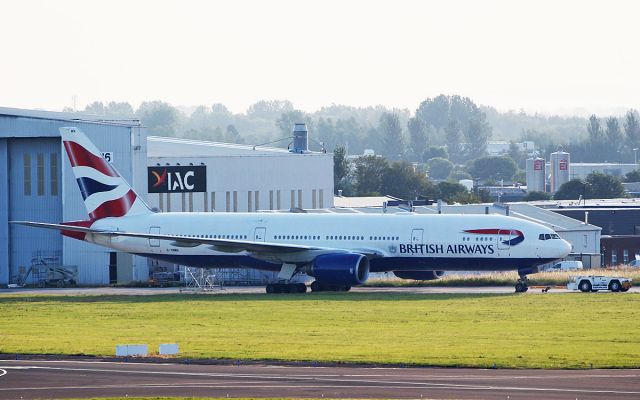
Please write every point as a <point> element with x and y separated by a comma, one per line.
<point>522,285</point>
<point>286,288</point>
<point>324,287</point>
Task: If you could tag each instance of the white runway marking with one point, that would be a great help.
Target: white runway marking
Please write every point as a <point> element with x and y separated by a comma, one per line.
<point>3,372</point>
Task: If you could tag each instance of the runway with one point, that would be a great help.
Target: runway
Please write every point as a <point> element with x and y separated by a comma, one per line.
<point>125,291</point>
<point>30,379</point>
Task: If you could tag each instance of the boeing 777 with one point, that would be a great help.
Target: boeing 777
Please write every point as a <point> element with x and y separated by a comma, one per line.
<point>338,250</point>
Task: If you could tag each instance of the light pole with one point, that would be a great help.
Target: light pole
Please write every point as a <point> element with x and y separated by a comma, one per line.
<point>635,156</point>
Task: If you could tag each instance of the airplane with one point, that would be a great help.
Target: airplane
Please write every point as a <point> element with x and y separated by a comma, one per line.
<point>338,250</point>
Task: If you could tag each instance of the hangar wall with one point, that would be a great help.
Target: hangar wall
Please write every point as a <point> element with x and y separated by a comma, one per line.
<point>37,184</point>
<point>243,179</point>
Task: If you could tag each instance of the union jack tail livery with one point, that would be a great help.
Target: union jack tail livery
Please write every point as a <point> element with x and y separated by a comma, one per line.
<point>105,192</point>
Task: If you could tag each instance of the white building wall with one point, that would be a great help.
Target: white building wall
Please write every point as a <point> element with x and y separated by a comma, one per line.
<point>587,242</point>
<point>309,176</point>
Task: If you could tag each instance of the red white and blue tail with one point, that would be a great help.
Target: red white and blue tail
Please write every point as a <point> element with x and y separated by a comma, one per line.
<point>105,192</point>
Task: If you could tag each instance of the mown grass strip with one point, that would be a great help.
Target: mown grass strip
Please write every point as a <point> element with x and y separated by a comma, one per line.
<point>572,330</point>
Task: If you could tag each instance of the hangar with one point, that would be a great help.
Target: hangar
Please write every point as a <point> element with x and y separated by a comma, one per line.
<point>37,184</point>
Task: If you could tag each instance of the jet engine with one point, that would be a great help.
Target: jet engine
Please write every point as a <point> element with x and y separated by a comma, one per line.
<point>340,269</point>
<point>419,275</point>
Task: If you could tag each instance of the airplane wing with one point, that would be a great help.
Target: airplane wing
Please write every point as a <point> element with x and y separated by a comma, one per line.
<point>223,245</point>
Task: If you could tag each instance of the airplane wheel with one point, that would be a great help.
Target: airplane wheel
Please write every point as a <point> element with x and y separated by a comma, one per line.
<point>521,287</point>
<point>300,288</point>
<point>346,288</point>
<point>316,286</point>
<point>270,288</point>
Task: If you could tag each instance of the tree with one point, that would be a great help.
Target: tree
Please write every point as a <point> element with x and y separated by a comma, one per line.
<point>601,186</point>
<point>449,191</point>
<point>614,136</point>
<point>571,190</point>
<point>288,119</point>
<point>233,136</point>
<point>453,137</point>
<point>368,173</point>
<point>403,181</point>
<point>391,135</point>
<point>596,186</point>
<point>433,152</point>
<point>340,169</point>
<point>418,137</point>
<point>439,168</point>
<point>493,168</point>
<point>269,109</point>
<point>477,135</point>
<point>160,118</point>
<point>533,196</point>
<point>632,129</point>
<point>633,176</point>
<point>595,131</point>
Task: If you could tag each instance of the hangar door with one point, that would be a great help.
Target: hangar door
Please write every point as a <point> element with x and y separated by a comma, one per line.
<point>35,190</point>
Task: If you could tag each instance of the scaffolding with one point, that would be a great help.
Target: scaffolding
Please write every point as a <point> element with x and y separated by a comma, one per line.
<point>46,270</point>
<point>201,280</point>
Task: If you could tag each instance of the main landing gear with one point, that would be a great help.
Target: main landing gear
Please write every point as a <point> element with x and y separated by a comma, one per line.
<point>286,288</point>
<point>522,285</point>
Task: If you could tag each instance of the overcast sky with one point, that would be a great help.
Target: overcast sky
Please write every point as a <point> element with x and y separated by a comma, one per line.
<point>549,56</point>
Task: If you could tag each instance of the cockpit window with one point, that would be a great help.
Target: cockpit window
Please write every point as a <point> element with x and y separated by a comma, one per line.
<point>548,236</point>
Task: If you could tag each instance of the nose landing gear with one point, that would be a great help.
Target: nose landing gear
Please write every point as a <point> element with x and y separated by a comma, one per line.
<point>522,285</point>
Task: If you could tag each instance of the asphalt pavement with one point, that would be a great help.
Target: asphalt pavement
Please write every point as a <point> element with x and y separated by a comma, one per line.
<point>36,379</point>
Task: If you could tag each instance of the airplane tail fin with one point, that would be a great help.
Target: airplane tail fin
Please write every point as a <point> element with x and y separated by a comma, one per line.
<point>104,190</point>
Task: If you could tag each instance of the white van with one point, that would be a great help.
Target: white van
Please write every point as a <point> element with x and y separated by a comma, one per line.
<point>566,266</point>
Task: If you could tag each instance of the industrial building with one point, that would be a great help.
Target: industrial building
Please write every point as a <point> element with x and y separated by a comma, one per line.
<point>545,176</point>
<point>37,184</point>
<point>240,178</point>
<point>619,220</point>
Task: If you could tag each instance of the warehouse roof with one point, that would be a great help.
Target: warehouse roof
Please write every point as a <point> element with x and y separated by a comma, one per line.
<point>66,116</point>
<point>172,147</point>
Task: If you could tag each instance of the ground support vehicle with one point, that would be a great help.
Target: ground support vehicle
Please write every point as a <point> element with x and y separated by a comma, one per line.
<point>593,283</point>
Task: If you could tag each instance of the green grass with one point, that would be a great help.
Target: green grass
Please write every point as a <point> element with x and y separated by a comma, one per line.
<point>504,278</point>
<point>571,330</point>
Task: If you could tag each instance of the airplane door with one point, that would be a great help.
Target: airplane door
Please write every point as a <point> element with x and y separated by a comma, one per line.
<point>504,236</point>
<point>416,236</point>
<point>154,230</point>
<point>260,234</point>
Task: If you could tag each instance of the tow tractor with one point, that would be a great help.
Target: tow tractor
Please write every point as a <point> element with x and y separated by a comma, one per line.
<point>593,283</point>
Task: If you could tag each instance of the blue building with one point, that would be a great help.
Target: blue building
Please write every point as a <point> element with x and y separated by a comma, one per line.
<point>37,184</point>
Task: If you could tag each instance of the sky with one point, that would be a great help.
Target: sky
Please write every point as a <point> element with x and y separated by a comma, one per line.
<point>538,56</point>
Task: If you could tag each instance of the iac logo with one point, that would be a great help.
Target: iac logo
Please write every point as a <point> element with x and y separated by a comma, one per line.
<point>177,179</point>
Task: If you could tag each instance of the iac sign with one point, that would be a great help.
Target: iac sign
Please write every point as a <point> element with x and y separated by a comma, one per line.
<point>176,179</point>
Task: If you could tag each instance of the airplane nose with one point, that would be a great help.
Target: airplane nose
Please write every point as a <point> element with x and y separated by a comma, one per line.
<point>566,248</point>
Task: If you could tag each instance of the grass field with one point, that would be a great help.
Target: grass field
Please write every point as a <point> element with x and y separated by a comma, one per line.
<point>571,330</point>
<point>504,278</point>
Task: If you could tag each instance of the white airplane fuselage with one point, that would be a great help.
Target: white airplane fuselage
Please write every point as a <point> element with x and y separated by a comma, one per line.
<point>393,241</point>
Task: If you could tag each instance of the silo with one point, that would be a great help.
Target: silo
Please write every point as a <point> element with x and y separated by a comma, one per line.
<point>535,174</point>
<point>560,164</point>
<point>300,138</point>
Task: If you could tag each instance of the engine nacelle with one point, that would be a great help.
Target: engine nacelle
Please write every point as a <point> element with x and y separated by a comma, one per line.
<point>340,269</point>
<point>419,275</point>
